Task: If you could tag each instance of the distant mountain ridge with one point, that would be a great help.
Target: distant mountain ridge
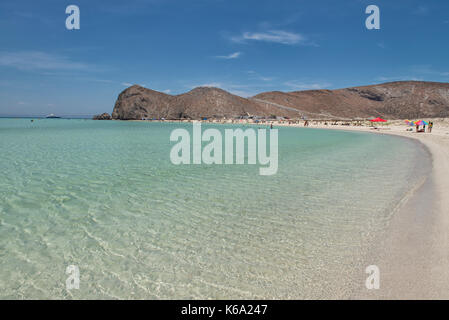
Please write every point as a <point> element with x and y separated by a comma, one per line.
<point>393,100</point>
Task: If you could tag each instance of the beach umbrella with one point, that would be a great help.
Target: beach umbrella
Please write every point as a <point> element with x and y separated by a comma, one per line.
<point>421,123</point>
<point>378,119</point>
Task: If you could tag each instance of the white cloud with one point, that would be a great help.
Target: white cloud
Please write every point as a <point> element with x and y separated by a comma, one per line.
<point>428,70</point>
<point>421,11</point>
<point>257,76</point>
<point>296,85</point>
<point>167,91</point>
<point>276,36</point>
<point>234,55</point>
<point>127,84</point>
<point>36,60</point>
<point>397,78</point>
<point>210,85</point>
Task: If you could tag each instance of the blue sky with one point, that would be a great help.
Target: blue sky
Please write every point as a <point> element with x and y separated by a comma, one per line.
<point>244,46</point>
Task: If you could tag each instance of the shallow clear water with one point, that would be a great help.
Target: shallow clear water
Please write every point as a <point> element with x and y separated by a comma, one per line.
<point>104,196</point>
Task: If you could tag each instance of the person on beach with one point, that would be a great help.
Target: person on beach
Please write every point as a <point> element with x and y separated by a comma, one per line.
<point>430,127</point>
<point>417,128</point>
<point>271,126</point>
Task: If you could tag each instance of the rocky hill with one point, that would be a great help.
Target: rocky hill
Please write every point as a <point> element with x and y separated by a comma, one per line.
<point>137,102</point>
<point>215,103</point>
<point>103,116</point>
<point>394,100</point>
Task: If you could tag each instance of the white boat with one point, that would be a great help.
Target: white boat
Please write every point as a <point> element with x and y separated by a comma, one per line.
<point>52,116</point>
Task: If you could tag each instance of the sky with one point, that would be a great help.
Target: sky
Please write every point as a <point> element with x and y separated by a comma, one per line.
<point>243,46</point>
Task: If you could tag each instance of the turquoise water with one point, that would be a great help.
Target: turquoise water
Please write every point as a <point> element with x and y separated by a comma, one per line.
<point>104,196</point>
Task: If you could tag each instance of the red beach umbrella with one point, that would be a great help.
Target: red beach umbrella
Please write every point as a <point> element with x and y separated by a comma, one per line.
<point>378,119</point>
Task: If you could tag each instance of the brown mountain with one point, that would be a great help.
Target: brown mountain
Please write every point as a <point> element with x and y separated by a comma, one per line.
<point>394,100</point>
<point>137,102</point>
<point>215,103</point>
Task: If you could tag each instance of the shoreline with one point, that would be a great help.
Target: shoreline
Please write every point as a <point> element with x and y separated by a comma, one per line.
<point>413,251</point>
